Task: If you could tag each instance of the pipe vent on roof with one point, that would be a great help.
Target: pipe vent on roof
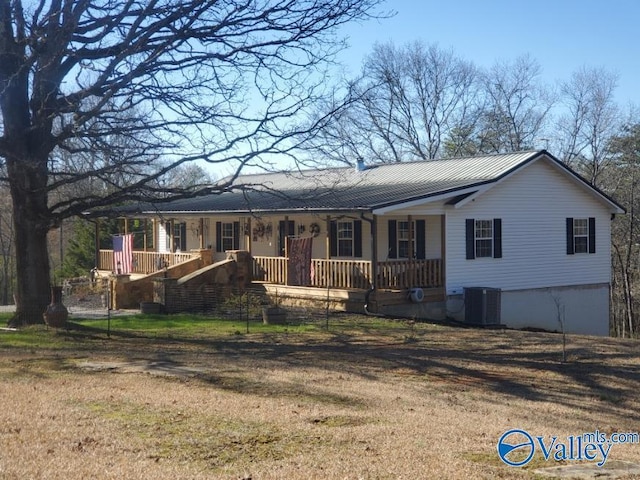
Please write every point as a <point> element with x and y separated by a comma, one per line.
<point>360,167</point>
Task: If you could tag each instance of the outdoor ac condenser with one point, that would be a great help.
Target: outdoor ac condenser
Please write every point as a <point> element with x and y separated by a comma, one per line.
<point>482,306</point>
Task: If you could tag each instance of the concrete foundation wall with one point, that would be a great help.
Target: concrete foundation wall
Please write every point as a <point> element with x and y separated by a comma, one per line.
<point>584,308</point>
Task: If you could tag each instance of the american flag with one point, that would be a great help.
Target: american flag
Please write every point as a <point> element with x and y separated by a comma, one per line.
<point>123,253</point>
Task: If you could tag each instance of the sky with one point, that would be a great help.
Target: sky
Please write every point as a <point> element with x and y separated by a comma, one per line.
<point>562,35</point>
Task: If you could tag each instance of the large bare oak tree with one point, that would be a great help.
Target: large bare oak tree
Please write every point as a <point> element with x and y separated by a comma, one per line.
<point>114,93</point>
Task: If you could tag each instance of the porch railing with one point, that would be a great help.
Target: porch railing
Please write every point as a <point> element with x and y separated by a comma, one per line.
<point>410,273</point>
<point>341,273</point>
<point>270,270</point>
<point>146,262</point>
<point>396,274</point>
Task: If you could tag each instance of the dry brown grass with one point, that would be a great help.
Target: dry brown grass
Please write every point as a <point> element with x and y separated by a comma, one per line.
<point>413,402</point>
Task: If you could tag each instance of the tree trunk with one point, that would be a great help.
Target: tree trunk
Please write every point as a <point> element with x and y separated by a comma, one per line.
<point>31,223</point>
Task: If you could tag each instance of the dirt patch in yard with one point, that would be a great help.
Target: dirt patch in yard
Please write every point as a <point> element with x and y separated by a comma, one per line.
<point>356,402</point>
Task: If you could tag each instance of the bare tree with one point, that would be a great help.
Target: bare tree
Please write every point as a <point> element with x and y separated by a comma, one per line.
<point>403,106</point>
<point>623,181</point>
<point>591,119</point>
<point>517,106</point>
<point>220,81</point>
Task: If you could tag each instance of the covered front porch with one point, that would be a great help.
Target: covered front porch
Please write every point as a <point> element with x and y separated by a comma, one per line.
<point>326,273</point>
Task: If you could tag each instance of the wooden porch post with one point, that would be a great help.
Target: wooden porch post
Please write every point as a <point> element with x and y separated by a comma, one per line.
<point>374,251</point>
<point>154,235</point>
<point>329,272</point>
<point>201,232</point>
<point>248,235</point>
<point>286,250</point>
<point>126,225</point>
<point>144,235</point>
<point>328,238</point>
<point>171,239</point>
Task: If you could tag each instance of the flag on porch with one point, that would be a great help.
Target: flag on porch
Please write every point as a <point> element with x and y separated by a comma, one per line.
<point>123,253</point>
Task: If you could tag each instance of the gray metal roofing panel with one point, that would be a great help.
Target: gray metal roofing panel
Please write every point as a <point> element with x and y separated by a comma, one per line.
<point>347,188</point>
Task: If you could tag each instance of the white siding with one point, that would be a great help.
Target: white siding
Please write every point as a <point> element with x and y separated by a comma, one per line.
<point>533,205</point>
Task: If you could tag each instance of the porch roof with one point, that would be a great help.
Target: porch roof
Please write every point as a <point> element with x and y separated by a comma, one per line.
<point>348,189</point>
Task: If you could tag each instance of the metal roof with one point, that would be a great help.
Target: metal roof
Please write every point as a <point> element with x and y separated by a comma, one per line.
<point>339,189</point>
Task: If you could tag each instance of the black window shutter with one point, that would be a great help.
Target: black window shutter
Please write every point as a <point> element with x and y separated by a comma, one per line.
<point>470,227</point>
<point>497,238</point>
<point>393,239</point>
<point>183,237</point>
<point>333,238</point>
<point>421,239</point>
<point>218,236</point>
<point>291,228</point>
<point>357,238</point>
<point>281,238</point>
<point>236,235</point>
<point>570,247</point>
<point>592,235</point>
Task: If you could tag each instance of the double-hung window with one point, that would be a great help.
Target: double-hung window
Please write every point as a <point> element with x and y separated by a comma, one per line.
<point>227,236</point>
<point>581,235</point>
<point>345,239</point>
<point>407,239</point>
<point>483,238</point>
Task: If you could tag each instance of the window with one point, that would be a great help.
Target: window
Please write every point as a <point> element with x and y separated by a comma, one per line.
<point>407,240</point>
<point>404,242</point>
<point>483,238</point>
<point>345,239</point>
<point>581,235</point>
<point>178,235</point>
<point>227,236</point>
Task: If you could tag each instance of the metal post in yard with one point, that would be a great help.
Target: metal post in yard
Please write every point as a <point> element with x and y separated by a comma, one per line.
<point>247,294</point>
<point>109,310</point>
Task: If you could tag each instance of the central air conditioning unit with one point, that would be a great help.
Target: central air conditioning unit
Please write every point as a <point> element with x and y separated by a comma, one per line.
<point>482,306</point>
